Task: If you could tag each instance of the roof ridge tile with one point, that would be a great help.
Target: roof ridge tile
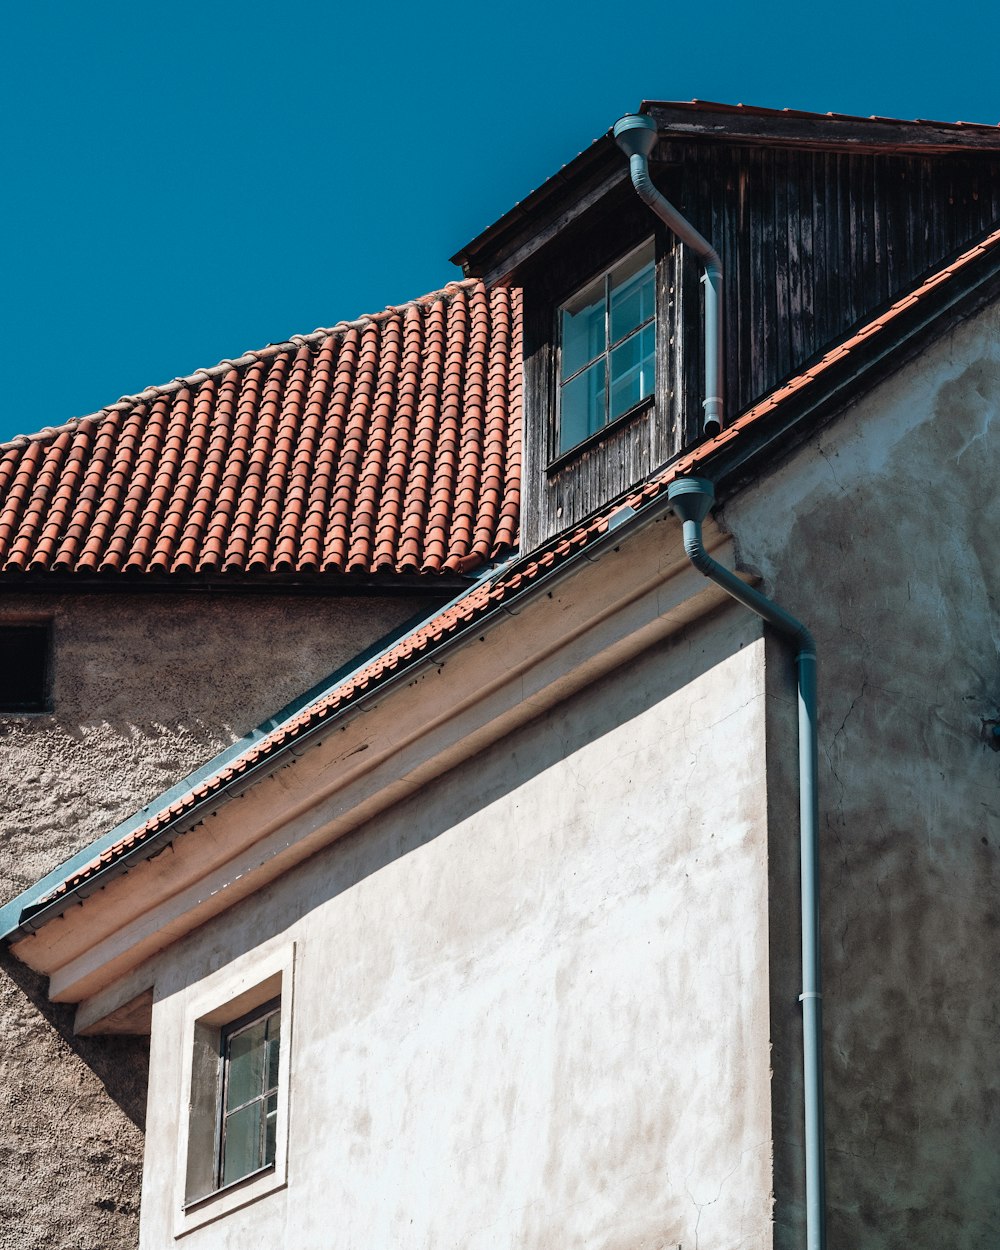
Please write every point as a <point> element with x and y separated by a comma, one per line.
<point>269,350</point>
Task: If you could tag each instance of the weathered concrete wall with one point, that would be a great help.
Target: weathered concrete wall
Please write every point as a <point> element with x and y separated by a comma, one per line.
<point>530,1004</point>
<point>883,536</point>
<point>146,688</point>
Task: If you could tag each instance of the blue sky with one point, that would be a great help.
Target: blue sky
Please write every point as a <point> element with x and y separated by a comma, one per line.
<point>187,181</point>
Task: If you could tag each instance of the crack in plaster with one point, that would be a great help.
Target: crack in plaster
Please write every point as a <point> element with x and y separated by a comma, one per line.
<point>833,472</point>
<point>700,1206</point>
<point>980,434</point>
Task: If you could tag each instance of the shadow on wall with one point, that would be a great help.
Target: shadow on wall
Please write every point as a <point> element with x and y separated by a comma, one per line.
<point>120,1063</point>
<point>555,736</point>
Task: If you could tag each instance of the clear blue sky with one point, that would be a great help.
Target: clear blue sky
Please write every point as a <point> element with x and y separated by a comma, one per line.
<point>185,181</point>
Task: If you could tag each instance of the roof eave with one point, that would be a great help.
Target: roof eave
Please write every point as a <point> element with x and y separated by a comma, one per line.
<point>362,584</point>
<point>563,196</point>
<point>730,459</point>
<point>494,255</point>
<point>737,123</point>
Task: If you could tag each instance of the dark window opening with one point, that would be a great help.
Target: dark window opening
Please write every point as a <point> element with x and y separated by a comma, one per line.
<point>25,652</point>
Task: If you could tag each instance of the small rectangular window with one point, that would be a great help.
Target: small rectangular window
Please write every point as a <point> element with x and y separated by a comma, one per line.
<point>607,338</point>
<point>25,658</point>
<point>238,1092</point>
<point>232,1148</point>
<point>249,1096</point>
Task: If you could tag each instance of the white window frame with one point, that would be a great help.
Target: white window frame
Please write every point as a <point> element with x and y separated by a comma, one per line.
<point>228,995</point>
<point>225,1114</point>
<point>648,249</point>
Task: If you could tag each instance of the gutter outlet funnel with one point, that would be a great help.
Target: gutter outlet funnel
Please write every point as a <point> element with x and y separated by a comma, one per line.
<point>635,134</point>
<point>691,498</point>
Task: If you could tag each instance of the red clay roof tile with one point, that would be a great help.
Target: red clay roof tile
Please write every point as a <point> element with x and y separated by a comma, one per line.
<point>508,581</point>
<point>388,445</point>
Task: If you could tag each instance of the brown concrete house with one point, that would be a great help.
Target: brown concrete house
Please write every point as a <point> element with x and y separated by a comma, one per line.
<point>499,932</point>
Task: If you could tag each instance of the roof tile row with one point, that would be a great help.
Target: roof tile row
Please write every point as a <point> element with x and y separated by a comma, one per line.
<point>389,445</point>
<point>509,581</point>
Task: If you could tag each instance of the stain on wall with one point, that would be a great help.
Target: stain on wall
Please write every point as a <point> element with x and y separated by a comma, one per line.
<point>882,535</point>
<point>530,1003</point>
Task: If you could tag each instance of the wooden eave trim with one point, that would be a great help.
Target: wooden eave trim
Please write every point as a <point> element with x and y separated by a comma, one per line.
<point>588,177</point>
<point>365,764</point>
<point>823,133</point>
<point>496,254</point>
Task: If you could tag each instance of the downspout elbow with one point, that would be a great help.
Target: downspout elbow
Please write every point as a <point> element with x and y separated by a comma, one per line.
<point>636,135</point>
<point>695,551</point>
<point>638,165</point>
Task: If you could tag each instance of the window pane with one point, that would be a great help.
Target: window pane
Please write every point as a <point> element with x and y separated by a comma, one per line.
<point>273,1043</point>
<point>582,409</point>
<point>632,365</point>
<point>270,1129</point>
<point>246,1065</point>
<point>582,329</point>
<point>632,303</point>
<point>242,1145</point>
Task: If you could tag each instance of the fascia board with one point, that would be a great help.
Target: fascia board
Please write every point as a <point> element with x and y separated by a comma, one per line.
<point>560,642</point>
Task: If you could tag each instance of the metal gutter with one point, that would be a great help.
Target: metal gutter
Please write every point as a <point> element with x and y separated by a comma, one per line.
<point>11,913</point>
<point>32,915</point>
<point>692,499</point>
<point>637,135</point>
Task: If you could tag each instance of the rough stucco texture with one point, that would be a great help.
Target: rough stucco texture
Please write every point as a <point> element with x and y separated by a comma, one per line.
<point>530,1003</point>
<point>883,535</point>
<point>146,688</point>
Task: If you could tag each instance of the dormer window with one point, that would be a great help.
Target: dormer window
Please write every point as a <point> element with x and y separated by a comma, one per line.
<point>607,337</point>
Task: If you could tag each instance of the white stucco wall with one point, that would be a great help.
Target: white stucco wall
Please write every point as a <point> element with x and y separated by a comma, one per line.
<point>531,1004</point>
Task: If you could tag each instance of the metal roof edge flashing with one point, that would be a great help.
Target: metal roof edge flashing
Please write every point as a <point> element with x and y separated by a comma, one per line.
<point>32,911</point>
<point>24,905</point>
<point>33,915</point>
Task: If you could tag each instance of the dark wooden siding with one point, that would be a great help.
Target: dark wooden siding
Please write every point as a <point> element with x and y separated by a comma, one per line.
<point>812,243</point>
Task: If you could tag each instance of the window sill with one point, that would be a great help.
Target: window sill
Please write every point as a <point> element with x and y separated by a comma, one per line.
<point>196,1204</point>
<point>238,1194</point>
<point>594,440</point>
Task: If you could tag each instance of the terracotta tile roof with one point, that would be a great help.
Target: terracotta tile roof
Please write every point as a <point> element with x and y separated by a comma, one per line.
<point>385,445</point>
<point>508,582</point>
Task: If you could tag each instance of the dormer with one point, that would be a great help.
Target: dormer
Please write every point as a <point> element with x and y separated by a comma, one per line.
<point>820,221</point>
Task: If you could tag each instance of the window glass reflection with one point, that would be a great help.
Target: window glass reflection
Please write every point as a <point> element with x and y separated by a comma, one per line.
<point>583,405</point>
<point>632,303</point>
<point>632,366</point>
<point>582,335</point>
